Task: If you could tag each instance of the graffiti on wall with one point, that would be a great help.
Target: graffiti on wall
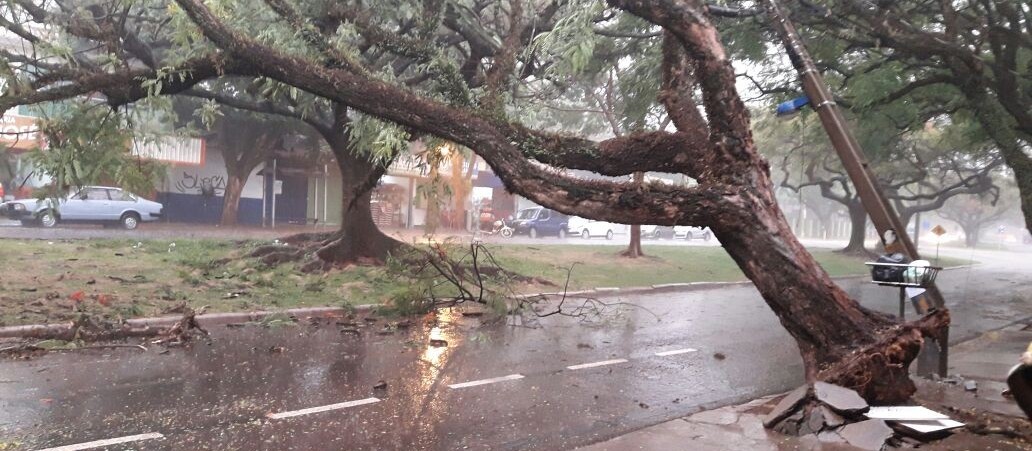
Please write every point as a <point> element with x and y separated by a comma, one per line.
<point>206,186</point>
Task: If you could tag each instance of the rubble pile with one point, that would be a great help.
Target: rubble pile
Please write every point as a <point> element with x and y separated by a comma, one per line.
<point>839,415</point>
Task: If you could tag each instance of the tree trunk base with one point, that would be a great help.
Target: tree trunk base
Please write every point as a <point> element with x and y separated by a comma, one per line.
<point>879,372</point>
<point>326,250</point>
<point>857,251</point>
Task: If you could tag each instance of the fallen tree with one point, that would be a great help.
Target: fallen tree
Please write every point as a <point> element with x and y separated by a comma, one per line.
<point>840,341</point>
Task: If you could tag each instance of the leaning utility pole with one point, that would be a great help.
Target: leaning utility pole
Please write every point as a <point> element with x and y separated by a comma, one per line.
<point>852,156</point>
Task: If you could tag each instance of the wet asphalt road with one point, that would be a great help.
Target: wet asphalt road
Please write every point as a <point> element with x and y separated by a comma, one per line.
<point>218,395</point>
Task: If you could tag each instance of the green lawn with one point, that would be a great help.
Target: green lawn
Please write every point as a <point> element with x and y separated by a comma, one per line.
<point>50,281</point>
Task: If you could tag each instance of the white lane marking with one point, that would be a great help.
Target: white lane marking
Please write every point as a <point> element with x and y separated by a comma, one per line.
<point>594,364</point>
<point>676,352</point>
<point>311,410</point>
<point>510,377</point>
<point>106,442</point>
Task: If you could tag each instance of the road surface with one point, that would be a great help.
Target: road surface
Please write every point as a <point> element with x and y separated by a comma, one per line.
<point>558,384</point>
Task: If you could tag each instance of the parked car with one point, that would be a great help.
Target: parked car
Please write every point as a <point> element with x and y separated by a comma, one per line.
<point>693,233</point>
<point>91,204</point>
<point>540,221</point>
<point>656,232</point>
<point>588,228</point>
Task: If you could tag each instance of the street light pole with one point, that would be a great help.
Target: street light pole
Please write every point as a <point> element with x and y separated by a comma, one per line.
<point>852,156</point>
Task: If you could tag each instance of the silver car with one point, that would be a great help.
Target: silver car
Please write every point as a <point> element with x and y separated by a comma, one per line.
<point>91,204</point>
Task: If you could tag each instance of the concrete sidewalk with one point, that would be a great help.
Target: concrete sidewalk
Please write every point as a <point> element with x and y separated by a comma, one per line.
<point>986,360</point>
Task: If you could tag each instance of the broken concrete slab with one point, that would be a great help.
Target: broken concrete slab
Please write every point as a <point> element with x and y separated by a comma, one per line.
<point>830,437</point>
<point>840,399</point>
<point>792,424</point>
<point>787,405</point>
<point>867,434</point>
<point>815,422</point>
<point>831,419</point>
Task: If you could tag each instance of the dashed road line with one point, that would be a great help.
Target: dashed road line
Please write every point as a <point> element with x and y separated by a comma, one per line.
<point>106,442</point>
<point>311,410</point>
<point>676,352</point>
<point>596,364</point>
<point>359,402</point>
<point>493,380</point>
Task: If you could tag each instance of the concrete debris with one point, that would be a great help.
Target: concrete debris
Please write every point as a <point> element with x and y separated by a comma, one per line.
<point>840,399</point>
<point>786,406</point>
<point>868,434</point>
<point>970,385</point>
<point>832,419</point>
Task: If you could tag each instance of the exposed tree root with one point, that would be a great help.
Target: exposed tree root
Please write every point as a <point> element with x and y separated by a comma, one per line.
<point>326,250</point>
<point>879,371</point>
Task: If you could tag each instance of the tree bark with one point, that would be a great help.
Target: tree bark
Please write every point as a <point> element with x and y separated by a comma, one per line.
<point>231,200</point>
<point>634,248</point>
<point>840,341</point>
<point>358,240</point>
<point>858,228</point>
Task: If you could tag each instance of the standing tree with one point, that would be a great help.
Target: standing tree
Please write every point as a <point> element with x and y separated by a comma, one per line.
<point>919,170</point>
<point>245,139</point>
<point>966,59</point>
<point>974,213</point>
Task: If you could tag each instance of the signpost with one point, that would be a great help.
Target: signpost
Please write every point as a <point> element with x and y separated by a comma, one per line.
<point>939,231</point>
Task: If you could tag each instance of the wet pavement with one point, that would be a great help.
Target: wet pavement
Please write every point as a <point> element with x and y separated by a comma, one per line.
<point>217,396</point>
<point>220,395</point>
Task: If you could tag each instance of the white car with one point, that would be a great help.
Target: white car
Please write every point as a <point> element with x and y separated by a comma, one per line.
<point>692,233</point>
<point>656,232</point>
<point>91,204</point>
<point>588,228</point>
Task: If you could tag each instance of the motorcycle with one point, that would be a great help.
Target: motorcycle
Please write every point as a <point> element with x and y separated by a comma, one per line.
<point>501,227</point>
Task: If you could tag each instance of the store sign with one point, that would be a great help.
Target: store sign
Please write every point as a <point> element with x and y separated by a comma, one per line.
<point>19,132</point>
<point>172,149</point>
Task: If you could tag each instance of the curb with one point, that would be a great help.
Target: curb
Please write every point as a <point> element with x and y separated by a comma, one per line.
<point>214,319</point>
<point>210,319</point>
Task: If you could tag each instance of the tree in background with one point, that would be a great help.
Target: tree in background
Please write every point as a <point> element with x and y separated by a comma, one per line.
<point>973,213</point>
<point>919,170</point>
<point>967,61</point>
<point>89,144</point>
<point>246,140</point>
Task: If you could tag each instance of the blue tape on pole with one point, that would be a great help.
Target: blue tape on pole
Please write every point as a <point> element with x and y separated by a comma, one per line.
<point>792,106</point>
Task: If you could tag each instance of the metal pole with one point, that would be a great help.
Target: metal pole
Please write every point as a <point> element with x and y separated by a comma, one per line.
<point>917,221</point>
<point>325,193</point>
<point>902,303</point>
<point>274,193</point>
<point>265,189</point>
<point>848,149</point>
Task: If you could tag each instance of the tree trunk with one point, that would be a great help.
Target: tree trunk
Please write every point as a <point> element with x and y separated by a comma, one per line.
<point>358,239</point>
<point>858,230</point>
<point>634,248</point>
<point>840,341</point>
<point>971,234</point>
<point>231,200</point>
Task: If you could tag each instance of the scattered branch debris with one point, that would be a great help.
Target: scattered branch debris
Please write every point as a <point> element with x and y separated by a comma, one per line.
<point>85,329</point>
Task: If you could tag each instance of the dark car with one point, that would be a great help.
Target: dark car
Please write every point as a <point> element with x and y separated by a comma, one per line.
<point>540,221</point>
